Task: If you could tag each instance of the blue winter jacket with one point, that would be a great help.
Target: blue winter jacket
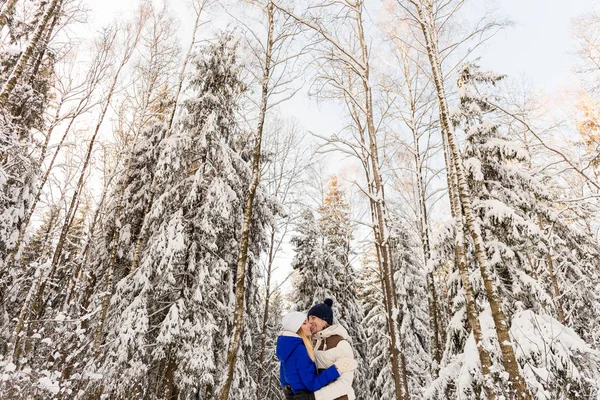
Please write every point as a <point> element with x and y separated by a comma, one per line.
<point>297,369</point>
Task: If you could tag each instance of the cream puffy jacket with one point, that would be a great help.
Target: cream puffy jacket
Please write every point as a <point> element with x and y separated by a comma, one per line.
<point>325,357</point>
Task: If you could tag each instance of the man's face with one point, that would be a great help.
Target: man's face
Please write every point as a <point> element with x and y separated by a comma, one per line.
<point>316,324</point>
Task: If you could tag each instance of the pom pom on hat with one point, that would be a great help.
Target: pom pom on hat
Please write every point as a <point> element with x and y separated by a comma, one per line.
<point>323,311</point>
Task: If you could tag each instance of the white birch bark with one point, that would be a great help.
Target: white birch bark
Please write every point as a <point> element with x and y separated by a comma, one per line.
<point>456,168</point>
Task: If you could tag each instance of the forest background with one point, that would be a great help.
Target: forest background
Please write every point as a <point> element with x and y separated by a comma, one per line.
<point>175,175</point>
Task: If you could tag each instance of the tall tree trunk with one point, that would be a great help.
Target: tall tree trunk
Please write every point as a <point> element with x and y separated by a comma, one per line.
<point>7,9</point>
<point>15,251</point>
<point>263,333</point>
<point>19,68</point>
<point>186,60</point>
<point>70,213</point>
<point>437,336</point>
<point>76,281</point>
<point>39,57</point>
<point>99,336</point>
<point>508,354</point>
<point>170,390</point>
<point>381,231</point>
<point>555,290</point>
<point>240,284</point>
<point>75,285</point>
<point>15,346</point>
<point>463,269</point>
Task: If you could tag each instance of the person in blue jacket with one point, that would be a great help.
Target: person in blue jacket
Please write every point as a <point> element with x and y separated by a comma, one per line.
<point>298,371</point>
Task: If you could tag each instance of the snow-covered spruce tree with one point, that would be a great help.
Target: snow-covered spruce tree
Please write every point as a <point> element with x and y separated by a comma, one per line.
<point>336,229</point>
<point>510,203</point>
<point>143,123</point>
<point>380,380</point>
<point>42,355</point>
<point>460,374</point>
<point>413,317</point>
<point>132,192</point>
<point>310,283</point>
<point>36,253</point>
<point>410,277</point>
<point>107,256</point>
<point>21,122</point>
<point>21,118</point>
<point>169,319</point>
<point>569,270</point>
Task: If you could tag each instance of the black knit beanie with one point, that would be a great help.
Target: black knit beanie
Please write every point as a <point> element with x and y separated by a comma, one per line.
<point>323,311</point>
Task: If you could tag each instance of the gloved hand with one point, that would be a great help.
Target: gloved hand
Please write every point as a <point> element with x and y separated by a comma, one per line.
<point>288,393</point>
<point>345,365</point>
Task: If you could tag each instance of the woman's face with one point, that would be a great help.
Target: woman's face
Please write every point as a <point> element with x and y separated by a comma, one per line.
<point>306,328</point>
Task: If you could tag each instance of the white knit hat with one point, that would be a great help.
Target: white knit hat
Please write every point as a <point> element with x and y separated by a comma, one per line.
<point>293,320</point>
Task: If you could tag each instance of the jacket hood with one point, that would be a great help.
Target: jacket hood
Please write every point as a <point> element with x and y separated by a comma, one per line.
<point>286,344</point>
<point>335,329</point>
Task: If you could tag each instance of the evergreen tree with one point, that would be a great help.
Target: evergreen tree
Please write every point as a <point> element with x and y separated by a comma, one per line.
<point>380,379</point>
<point>410,277</point>
<point>21,116</point>
<point>170,318</point>
<point>336,231</point>
<point>22,121</point>
<point>310,283</point>
<point>413,318</point>
<point>510,204</point>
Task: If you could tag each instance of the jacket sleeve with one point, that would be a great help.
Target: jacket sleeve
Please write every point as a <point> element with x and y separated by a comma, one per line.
<point>308,372</point>
<point>343,385</point>
<point>282,375</point>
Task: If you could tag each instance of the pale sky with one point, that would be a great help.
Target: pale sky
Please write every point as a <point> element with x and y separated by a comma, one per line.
<point>539,45</point>
<point>538,48</point>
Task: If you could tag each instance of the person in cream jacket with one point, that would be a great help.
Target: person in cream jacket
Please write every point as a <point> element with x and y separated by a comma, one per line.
<point>331,344</point>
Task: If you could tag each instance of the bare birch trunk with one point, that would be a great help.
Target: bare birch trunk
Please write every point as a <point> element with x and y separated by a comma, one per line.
<point>240,284</point>
<point>463,268</point>
<point>555,290</point>
<point>15,252</point>
<point>19,68</point>
<point>42,51</point>
<point>14,345</point>
<point>508,355</point>
<point>461,263</point>
<point>380,226</point>
<point>437,336</point>
<point>7,9</point>
<point>75,198</point>
<point>263,334</point>
<point>99,336</point>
